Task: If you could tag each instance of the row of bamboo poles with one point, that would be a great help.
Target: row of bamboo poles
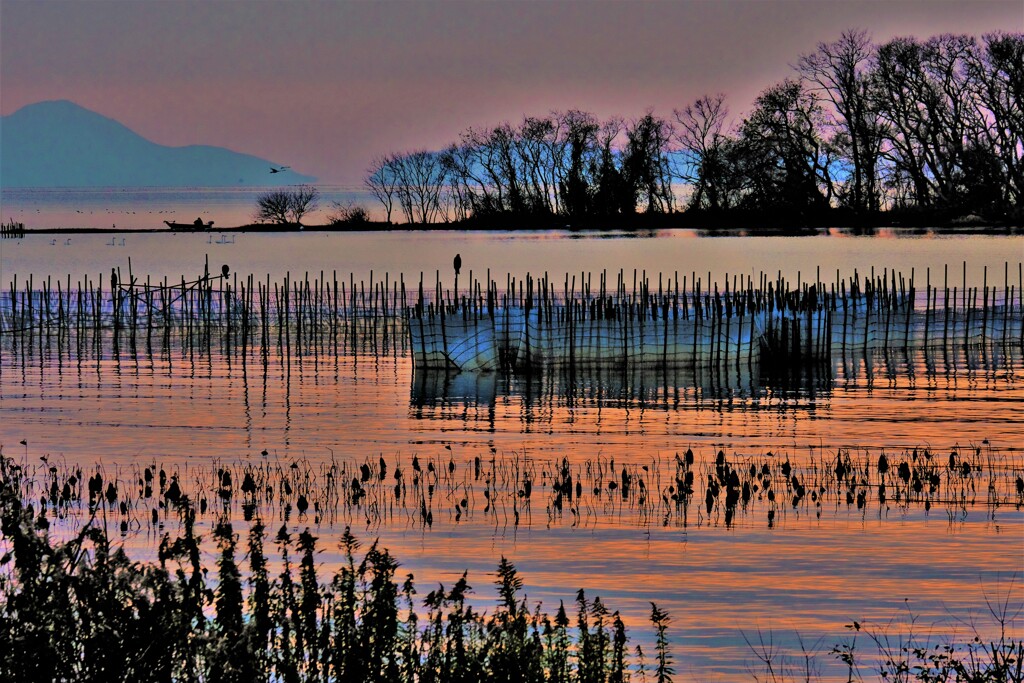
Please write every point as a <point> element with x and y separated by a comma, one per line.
<point>297,316</point>
<point>12,230</point>
<point>530,322</point>
<point>692,321</point>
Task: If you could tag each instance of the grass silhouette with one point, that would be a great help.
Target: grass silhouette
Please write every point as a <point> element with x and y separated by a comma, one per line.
<point>83,610</point>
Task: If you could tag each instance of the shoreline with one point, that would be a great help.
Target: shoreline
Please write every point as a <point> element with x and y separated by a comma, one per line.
<point>650,231</point>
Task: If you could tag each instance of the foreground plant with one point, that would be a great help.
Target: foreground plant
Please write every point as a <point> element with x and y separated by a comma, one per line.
<point>84,611</point>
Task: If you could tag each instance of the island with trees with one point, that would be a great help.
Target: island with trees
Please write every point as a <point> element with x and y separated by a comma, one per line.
<point>908,132</point>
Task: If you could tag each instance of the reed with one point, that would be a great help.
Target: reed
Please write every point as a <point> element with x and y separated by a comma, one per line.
<point>508,491</point>
<point>82,610</point>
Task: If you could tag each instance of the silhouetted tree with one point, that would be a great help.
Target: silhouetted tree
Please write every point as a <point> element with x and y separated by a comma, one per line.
<point>503,143</point>
<point>611,194</point>
<point>273,206</point>
<point>702,142</point>
<point>507,170</point>
<point>458,182</point>
<point>421,181</point>
<point>478,184</point>
<point>382,182</point>
<point>840,72</point>
<point>783,156</point>
<point>925,100</point>
<point>934,125</point>
<point>645,166</point>
<point>302,200</point>
<point>283,206</point>
<point>994,159</point>
<point>347,213</point>
<point>580,147</point>
<point>538,145</point>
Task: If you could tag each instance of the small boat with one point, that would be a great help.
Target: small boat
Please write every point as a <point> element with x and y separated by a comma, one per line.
<point>197,226</point>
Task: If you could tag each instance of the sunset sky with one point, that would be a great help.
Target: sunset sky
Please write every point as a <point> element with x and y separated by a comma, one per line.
<point>326,86</point>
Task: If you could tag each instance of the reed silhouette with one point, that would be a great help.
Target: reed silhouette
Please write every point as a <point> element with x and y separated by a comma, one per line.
<point>508,491</point>
<point>83,610</point>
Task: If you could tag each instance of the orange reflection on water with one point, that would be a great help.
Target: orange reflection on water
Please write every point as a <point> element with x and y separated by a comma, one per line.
<point>190,412</point>
<point>186,405</point>
<point>715,583</point>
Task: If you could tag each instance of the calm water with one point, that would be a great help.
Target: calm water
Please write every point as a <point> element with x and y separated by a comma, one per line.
<point>147,208</point>
<point>805,574</point>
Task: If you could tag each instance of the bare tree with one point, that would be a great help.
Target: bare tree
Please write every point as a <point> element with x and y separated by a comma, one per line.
<point>422,179</point>
<point>273,206</point>
<point>927,100</point>
<point>382,181</point>
<point>459,188</point>
<point>503,142</point>
<point>478,166</point>
<point>935,123</point>
<point>645,166</point>
<point>284,206</point>
<point>303,200</point>
<point>611,194</point>
<point>998,72</point>
<point>347,213</point>
<point>580,130</point>
<point>702,141</point>
<point>840,71</point>
<point>785,159</point>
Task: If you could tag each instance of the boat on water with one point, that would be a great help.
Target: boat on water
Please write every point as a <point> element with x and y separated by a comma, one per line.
<point>197,226</point>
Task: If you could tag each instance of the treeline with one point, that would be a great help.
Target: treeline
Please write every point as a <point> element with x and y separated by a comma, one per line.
<point>934,126</point>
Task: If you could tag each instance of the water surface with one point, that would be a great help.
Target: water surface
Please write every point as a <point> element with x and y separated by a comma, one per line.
<point>190,409</point>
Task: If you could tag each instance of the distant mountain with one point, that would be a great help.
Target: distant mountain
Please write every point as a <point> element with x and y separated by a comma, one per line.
<point>60,144</point>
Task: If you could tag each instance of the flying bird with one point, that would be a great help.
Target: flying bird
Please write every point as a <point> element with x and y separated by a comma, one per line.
<point>278,170</point>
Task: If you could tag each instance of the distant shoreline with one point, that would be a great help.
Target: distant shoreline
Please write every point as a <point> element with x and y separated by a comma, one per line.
<point>724,223</point>
<point>709,231</point>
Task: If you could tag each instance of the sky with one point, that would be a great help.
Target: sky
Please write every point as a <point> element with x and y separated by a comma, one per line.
<point>327,86</point>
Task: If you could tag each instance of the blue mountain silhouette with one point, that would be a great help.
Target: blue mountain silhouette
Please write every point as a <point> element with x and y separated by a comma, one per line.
<point>60,144</point>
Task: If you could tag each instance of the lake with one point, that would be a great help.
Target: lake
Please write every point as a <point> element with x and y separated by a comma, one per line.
<point>147,208</point>
<point>810,569</point>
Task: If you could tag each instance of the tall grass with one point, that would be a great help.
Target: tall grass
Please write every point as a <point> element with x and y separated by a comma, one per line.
<point>82,610</point>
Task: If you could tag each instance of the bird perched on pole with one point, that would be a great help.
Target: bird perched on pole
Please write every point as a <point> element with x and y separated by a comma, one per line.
<point>458,263</point>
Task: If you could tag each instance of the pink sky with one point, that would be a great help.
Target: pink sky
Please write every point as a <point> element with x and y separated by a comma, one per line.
<point>326,86</point>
